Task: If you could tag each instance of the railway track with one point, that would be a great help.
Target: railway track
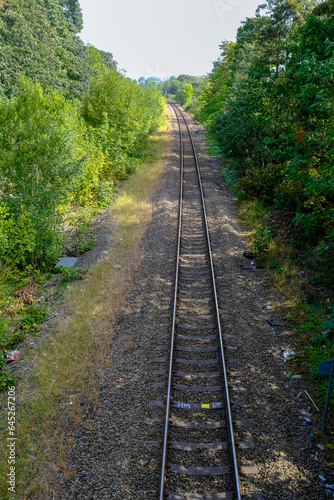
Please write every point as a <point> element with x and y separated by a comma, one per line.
<point>199,457</point>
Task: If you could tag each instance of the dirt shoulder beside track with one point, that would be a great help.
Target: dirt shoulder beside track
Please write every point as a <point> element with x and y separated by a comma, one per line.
<point>113,452</point>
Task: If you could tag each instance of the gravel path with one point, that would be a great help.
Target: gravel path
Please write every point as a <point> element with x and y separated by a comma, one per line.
<point>116,450</point>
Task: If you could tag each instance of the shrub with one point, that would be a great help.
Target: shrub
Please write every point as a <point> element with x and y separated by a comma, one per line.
<point>261,241</point>
<point>260,182</point>
<point>40,159</point>
<point>34,314</point>
<point>71,273</point>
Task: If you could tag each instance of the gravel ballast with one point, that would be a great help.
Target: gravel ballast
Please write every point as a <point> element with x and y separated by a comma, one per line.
<point>116,449</point>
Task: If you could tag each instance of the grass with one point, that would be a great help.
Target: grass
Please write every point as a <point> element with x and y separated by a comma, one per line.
<point>71,357</point>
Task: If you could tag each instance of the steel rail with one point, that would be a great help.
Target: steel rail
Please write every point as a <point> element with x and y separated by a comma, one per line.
<point>228,405</point>
<point>165,441</point>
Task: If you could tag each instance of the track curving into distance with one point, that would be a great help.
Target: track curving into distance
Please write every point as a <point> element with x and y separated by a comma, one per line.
<point>199,459</point>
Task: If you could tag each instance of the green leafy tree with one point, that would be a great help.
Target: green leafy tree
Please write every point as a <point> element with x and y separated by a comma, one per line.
<point>38,40</point>
<point>40,159</point>
<point>123,115</point>
<point>184,93</point>
<point>268,106</point>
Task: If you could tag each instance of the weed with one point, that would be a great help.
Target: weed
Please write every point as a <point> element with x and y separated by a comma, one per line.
<point>310,318</point>
<point>275,265</point>
<point>34,314</point>
<point>85,241</point>
<point>315,355</point>
<point>328,325</point>
<point>261,241</point>
<point>71,273</point>
<point>7,379</point>
<point>3,332</point>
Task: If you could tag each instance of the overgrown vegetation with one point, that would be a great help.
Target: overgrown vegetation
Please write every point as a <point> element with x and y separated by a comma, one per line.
<point>74,353</point>
<point>267,106</point>
<point>71,128</point>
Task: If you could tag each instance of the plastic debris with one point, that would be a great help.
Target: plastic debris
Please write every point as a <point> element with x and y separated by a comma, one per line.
<point>315,406</point>
<point>322,478</point>
<point>296,377</point>
<point>288,353</point>
<point>308,420</point>
<point>322,448</point>
<point>301,273</point>
<point>270,321</point>
<point>70,403</point>
<point>299,395</point>
<point>268,307</point>
<point>329,490</point>
<point>32,457</point>
<point>11,355</point>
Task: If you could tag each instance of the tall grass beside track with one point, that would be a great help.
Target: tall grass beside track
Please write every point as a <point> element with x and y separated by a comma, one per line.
<point>70,358</point>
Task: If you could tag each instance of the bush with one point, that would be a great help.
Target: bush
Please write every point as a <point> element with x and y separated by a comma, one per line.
<point>85,241</point>
<point>260,183</point>
<point>70,273</point>
<point>34,314</point>
<point>40,159</point>
<point>261,241</point>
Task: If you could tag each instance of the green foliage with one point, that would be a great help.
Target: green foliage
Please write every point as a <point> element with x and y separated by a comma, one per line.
<point>3,332</point>
<point>184,93</point>
<point>268,106</point>
<point>71,127</point>
<point>71,273</point>
<point>38,40</point>
<point>181,88</point>
<point>34,314</point>
<point>7,379</point>
<point>261,241</point>
<point>328,325</point>
<point>121,116</point>
<point>50,157</point>
<point>260,183</point>
<point>85,241</point>
<point>40,157</point>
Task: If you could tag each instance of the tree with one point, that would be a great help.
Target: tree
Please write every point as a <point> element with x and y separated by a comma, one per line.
<point>73,14</point>
<point>38,40</point>
<point>184,93</point>
<point>40,159</point>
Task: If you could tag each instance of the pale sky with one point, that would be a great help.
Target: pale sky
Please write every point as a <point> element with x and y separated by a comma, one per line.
<point>163,38</point>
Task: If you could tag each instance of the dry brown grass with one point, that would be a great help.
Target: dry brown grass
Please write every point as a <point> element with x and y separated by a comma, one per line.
<point>73,356</point>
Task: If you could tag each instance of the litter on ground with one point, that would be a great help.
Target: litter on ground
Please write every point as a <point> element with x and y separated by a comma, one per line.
<point>288,353</point>
<point>11,355</point>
